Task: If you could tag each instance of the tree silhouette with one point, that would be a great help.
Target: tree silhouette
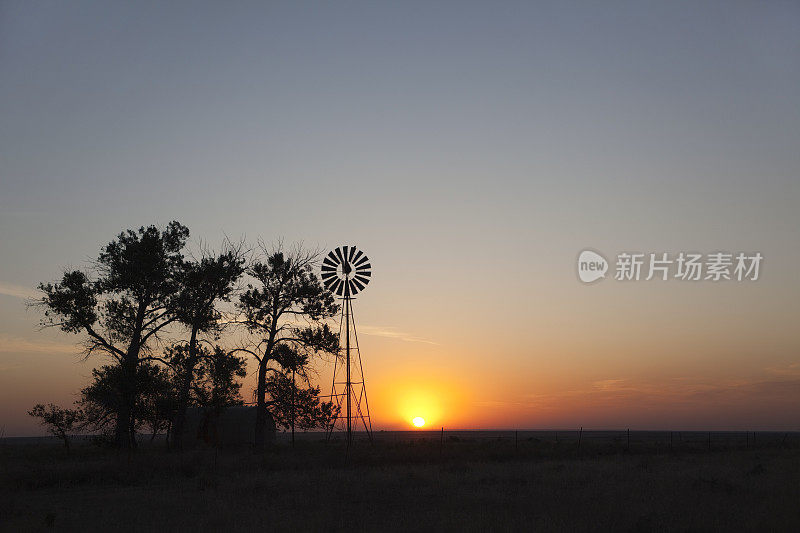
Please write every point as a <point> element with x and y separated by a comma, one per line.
<point>203,283</point>
<point>59,422</point>
<point>100,399</point>
<point>211,373</point>
<point>213,386</point>
<point>124,308</point>
<point>155,399</point>
<point>216,387</point>
<point>285,309</point>
<point>297,405</point>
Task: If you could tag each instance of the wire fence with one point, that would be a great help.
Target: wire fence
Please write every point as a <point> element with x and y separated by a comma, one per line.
<point>623,440</point>
<point>508,442</point>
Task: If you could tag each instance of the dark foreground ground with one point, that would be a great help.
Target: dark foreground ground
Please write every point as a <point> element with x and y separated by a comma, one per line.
<point>466,481</point>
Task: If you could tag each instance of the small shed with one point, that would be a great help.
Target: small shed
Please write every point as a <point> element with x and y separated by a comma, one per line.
<point>232,427</point>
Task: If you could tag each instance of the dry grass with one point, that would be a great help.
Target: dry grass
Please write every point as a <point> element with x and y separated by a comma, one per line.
<point>399,485</point>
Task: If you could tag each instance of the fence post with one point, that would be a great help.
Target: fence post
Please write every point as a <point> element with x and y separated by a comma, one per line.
<point>629,440</point>
<point>580,434</point>
<point>516,445</point>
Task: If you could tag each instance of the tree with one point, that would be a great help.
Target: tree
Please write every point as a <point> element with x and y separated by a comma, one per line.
<point>216,386</point>
<point>294,405</point>
<point>203,283</point>
<point>155,400</point>
<point>212,376</point>
<point>59,422</point>
<point>101,398</point>
<point>285,308</point>
<point>124,308</point>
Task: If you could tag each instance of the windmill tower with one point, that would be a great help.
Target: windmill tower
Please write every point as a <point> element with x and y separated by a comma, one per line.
<point>346,271</point>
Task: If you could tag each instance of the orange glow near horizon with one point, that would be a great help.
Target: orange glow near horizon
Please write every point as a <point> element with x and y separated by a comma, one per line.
<point>398,395</point>
<point>427,401</point>
<point>414,402</point>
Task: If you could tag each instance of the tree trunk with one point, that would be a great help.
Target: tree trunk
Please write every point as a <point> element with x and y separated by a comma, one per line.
<point>126,419</point>
<point>183,393</point>
<point>261,388</point>
<point>125,431</point>
<point>124,412</point>
<point>121,426</point>
<point>261,405</point>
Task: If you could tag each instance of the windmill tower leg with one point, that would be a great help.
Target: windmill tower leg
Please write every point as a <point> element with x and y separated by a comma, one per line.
<point>347,350</point>
<point>363,414</point>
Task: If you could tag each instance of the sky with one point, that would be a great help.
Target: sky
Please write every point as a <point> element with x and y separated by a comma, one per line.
<point>472,150</point>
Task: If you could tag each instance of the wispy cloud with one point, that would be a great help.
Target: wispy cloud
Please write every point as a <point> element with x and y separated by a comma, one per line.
<point>610,384</point>
<point>792,369</point>
<point>11,344</point>
<point>785,385</point>
<point>17,291</point>
<point>392,333</point>
<point>495,403</point>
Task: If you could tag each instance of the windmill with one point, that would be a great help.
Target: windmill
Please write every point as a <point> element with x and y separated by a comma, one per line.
<point>346,271</point>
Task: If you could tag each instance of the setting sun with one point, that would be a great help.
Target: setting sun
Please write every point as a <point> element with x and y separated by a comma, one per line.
<point>418,421</point>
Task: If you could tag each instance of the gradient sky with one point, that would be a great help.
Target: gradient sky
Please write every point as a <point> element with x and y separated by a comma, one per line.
<point>472,149</point>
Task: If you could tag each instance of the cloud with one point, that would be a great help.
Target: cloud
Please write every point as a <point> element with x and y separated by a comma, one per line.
<point>787,389</point>
<point>674,391</point>
<point>17,291</point>
<point>392,333</point>
<point>494,403</point>
<point>609,384</point>
<point>792,369</point>
<point>11,344</point>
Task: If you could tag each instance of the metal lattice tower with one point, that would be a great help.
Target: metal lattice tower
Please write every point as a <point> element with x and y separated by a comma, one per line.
<point>346,271</point>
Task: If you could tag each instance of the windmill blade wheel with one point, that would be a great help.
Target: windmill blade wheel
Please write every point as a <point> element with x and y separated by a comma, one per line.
<point>346,271</point>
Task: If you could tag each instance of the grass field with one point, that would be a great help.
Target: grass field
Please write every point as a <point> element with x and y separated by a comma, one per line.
<point>468,481</point>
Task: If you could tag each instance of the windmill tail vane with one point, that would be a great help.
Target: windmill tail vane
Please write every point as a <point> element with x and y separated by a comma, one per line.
<point>346,271</point>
